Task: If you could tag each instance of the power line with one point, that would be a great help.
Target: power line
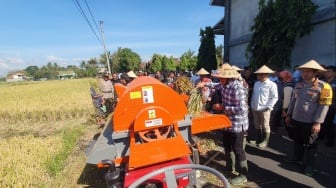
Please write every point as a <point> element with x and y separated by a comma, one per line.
<point>92,17</point>
<point>77,4</point>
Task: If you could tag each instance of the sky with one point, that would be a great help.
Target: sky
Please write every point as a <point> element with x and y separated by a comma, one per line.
<point>35,32</point>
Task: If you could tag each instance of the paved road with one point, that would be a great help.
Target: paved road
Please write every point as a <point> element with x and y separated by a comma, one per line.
<point>267,168</point>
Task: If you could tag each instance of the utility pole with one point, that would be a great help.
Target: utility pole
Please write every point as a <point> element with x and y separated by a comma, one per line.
<point>107,57</point>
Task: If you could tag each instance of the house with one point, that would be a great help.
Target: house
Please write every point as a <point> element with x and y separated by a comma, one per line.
<point>238,17</point>
<point>66,75</point>
<point>15,77</point>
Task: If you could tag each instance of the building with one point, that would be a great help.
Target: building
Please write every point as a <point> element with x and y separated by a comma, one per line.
<point>66,75</point>
<point>238,18</point>
<point>15,77</point>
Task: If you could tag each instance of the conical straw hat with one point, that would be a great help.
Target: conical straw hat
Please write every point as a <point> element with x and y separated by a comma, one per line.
<point>202,71</point>
<point>226,73</point>
<point>226,66</point>
<point>131,74</point>
<point>264,70</point>
<point>312,64</point>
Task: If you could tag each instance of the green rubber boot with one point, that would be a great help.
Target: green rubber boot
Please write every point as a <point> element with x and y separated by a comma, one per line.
<point>242,177</point>
<point>265,141</point>
<point>230,159</point>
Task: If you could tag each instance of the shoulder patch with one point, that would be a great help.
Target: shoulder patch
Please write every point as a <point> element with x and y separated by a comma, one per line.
<point>326,94</point>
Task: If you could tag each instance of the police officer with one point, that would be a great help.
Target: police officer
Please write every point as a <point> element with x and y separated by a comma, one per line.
<point>107,90</point>
<point>307,110</point>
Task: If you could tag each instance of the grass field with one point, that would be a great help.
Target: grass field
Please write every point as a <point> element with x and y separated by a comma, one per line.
<point>44,128</point>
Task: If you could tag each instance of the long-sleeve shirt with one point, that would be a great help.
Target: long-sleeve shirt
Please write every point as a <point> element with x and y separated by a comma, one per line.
<point>287,95</point>
<point>307,104</point>
<point>234,101</point>
<point>264,96</point>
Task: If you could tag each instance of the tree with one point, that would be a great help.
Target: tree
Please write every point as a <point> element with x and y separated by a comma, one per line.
<point>219,54</point>
<point>31,71</point>
<point>207,51</point>
<point>156,63</point>
<point>125,60</point>
<point>168,63</point>
<point>277,26</point>
<point>188,61</point>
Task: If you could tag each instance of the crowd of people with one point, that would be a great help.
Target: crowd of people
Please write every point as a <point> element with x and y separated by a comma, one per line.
<point>303,101</point>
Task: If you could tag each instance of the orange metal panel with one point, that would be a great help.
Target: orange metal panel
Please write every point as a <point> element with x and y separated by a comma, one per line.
<point>119,88</point>
<point>207,122</point>
<point>141,93</point>
<point>159,151</point>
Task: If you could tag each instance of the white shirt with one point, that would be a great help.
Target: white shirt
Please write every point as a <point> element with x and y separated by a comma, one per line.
<point>264,96</point>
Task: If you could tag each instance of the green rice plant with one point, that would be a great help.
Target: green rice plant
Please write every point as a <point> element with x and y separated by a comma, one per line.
<point>69,139</point>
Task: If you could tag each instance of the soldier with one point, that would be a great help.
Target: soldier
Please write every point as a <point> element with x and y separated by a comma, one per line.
<point>306,111</point>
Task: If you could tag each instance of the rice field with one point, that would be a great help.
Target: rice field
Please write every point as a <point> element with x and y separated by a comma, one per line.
<point>44,101</point>
<point>44,127</point>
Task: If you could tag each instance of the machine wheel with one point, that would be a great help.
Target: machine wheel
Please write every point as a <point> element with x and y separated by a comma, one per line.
<point>170,176</point>
<point>156,134</point>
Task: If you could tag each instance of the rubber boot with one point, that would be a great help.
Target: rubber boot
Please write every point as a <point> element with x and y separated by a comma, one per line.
<point>265,141</point>
<point>230,159</point>
<point>257,140</point>
<point>309,161</point>
<point>297,155</point>
<point>242,177</point>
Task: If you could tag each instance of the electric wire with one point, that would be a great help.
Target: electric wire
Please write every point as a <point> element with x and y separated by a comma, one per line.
<point>79,7</point>
<point>92,17</point>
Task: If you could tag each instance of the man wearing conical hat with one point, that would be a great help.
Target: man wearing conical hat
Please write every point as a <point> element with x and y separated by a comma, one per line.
<point>306,111</point>
<point>234,105</point>
<point>264,97</point>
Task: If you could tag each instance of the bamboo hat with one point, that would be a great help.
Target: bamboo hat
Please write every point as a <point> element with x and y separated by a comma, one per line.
<point>226,73</point>
<point>131,74</point>
<point>226,66</point>
<point>202,71</point>
<point>264,70</point>
<point>312,64</point>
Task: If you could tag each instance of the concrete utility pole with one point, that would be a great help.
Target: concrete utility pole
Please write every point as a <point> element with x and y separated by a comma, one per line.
<point>102,36</point>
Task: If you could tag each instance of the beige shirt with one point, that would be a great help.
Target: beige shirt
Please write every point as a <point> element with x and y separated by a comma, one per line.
<point>106,88</point>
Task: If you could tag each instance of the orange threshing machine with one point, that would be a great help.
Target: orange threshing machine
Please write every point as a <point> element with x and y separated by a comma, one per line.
<point>150,129</point>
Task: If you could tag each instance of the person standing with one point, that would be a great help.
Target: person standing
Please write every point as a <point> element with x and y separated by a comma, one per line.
<point>107,90</point>
<point>234,105</point>
<point>328,127</point>
<point>287,88</point>
<point>204,83</point>
<point>263,99</point>
<point>306,111</point>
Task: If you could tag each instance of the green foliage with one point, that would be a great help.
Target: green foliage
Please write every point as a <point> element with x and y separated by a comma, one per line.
<point>219,54</point>
<point>156,63</point>
<point>277,26</point>
<point>207,51</point>
<point>69,141</point>
<point>125,60</point>
<point>188,61</point>
<point>168,63</point>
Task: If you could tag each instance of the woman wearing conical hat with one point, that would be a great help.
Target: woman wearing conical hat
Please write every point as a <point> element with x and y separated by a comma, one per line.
<point>264,97</point>
<point>307,111</point>
<point>205,84</point>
